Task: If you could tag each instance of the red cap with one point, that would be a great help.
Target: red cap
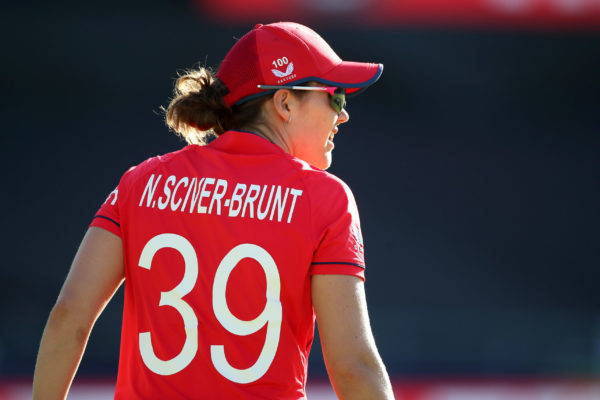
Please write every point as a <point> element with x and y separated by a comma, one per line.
<point>287,53</point>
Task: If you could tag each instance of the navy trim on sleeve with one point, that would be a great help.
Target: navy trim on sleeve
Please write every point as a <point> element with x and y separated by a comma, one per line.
<point>339,262</point>
<point>110,219</point>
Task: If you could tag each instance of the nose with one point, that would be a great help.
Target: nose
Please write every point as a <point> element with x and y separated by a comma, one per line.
<point>343,117</point>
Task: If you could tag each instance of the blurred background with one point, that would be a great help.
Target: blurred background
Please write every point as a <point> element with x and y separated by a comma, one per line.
<point>475,162</point>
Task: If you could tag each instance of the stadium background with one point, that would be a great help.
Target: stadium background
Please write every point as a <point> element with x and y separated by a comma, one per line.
<point>475,162</point>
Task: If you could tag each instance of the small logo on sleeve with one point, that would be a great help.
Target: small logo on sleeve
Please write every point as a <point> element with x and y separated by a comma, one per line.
<point>358,239</point>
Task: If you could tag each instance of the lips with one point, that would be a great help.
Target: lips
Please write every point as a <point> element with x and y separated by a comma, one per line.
<point>333,133</point>
<point>330,144</point>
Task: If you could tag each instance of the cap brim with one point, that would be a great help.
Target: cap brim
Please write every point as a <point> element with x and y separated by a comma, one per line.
<point>354,76</point>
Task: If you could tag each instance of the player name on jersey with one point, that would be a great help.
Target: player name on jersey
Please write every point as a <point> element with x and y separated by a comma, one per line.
<point>220,197</point>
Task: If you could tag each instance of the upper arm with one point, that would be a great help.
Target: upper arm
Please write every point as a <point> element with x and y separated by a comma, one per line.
<point>341,311</point>
<point>96,273</point>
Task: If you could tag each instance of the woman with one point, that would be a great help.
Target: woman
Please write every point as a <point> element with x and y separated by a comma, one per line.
<point>230,249</point>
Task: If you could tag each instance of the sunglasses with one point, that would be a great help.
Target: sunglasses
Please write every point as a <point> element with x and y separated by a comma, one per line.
<point>338,94</point>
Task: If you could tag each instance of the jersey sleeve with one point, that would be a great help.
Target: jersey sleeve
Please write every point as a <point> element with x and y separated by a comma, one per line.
<point>108,216</point>
<point>340,249</point>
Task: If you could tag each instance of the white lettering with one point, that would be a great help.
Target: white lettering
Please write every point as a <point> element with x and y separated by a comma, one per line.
<point>279,204</point>
<point>250,199</point>
<point>262,214</point>
<point>287,78</point>
<point>217,196</point>
<point>167,190</point>
<point>190,190</point>
<point>204,193</point>
<point>195,195</point>
<point>149,190</point>
<point>237,198</point>
<point>175,206</point>
<point>295,193</point>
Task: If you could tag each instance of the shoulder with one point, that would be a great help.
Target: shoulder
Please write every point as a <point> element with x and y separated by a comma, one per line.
<point>328,194</point>
<point>320,180</point>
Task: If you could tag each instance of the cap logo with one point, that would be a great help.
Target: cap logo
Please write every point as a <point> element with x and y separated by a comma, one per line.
<point>280,62</point>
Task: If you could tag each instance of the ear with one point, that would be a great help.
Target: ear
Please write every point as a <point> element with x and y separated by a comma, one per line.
<point>283,102</point>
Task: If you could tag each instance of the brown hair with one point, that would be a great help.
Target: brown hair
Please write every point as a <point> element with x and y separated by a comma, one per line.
<point>197,110</point>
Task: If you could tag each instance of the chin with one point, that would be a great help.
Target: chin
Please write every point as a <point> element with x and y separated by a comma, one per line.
<point>322,162</point>
<point>325,163</point>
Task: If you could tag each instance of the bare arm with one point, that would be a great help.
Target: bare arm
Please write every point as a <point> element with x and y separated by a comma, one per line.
<point>355,368</point>
<point>96,273</point>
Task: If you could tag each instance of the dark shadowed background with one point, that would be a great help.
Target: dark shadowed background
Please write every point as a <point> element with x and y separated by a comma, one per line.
<point>475,162</point>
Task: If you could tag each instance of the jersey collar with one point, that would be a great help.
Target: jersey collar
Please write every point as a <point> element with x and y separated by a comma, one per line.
<point>245,142</point>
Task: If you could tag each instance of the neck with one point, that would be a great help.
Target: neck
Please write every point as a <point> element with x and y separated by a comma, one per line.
<point>274,134</point>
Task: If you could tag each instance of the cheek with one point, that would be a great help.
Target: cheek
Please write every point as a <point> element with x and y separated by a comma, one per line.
<point>315,131</point>
<point>312,133</point>
<point>322,126</point>
<point>315,151</point>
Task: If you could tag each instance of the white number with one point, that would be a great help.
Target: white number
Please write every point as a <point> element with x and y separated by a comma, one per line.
<point>280,62</point>
<point>271,315</point>
<point>173,299</point>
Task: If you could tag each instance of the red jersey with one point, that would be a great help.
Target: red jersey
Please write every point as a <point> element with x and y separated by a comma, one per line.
<point>220,242</point>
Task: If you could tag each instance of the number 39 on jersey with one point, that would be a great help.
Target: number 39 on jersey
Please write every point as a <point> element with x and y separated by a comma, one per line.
<point>271,315</point>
